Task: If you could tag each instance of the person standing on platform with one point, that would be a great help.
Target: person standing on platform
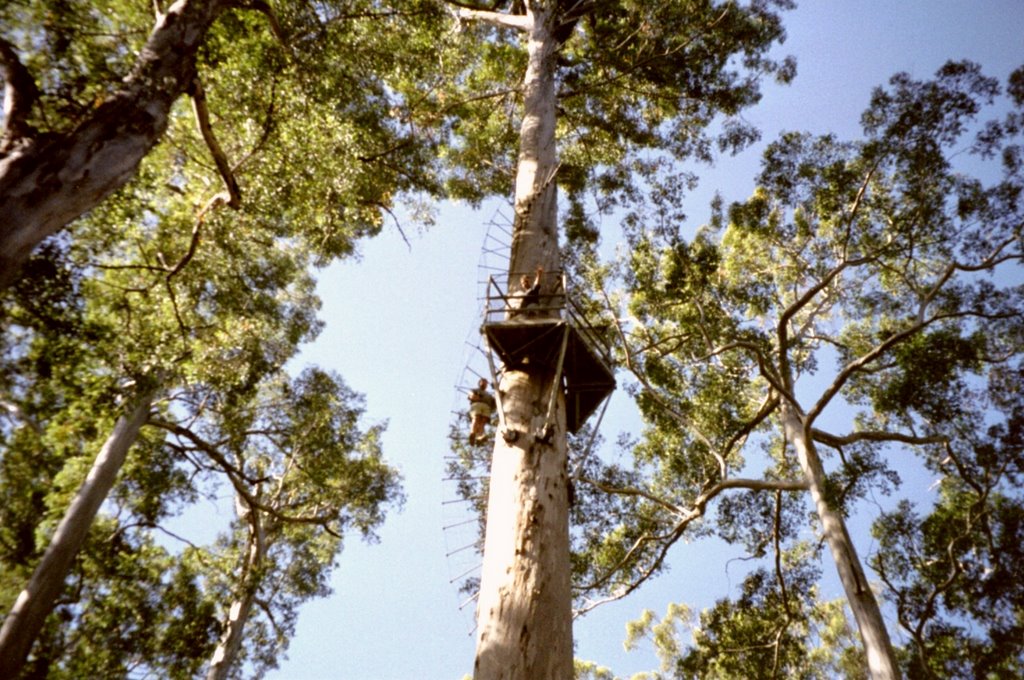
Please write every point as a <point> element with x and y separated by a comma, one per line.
<point>530,293</point>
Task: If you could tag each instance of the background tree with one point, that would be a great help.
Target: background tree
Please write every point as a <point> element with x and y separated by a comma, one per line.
<point>303,474</point>
<point>122,585</point>
<point>862,308</point>
<point>179,294</point>
<point>210,308</point>
<point>91,89</point>
<point>205,352</point>
<point>587,116</point>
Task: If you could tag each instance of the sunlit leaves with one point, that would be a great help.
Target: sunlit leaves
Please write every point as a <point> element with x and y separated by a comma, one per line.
<point>875,284</point>
<point>639,87</point>
<point>322,114</point>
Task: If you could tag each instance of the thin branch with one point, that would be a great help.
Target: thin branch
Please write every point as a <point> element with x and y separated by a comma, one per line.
<point>771,402</point>
<point>642,63</point>
<point>266,10</point>
<point>780,579</point>
<point>836,441</point>
<point>268,127</point>
<point>202,113</point>
<point>632,491</point>
<point>686,518</point>
<point>222,198</point>
<point>877,351</point>
<point>858,199</point>
<point>782,330</point>
<point>157,527</point>
<point>398,223</point>
<point>239,480</point>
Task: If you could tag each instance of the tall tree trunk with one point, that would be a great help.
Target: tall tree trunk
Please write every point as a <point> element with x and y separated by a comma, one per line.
<point>535,233</point>
<point>881,658</point>
<point>48,181</point>
<point>525,607</point>
<point>238,614</point>
<point>35,603</point>
<point>524,613</point>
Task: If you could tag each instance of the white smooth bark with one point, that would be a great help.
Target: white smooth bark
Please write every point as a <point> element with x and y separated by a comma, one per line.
<point>881,658</point>
<point>238,614</point>
<point>535,234</point>
<point>36,601</point>
<point>524,614</point>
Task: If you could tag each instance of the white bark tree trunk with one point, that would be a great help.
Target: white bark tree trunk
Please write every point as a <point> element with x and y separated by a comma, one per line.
<point>535,233</point>
<point>238,614</point>
<point>525,609</point>
<point>524,614</point>
<point>35,603</point>
<point>881,658</point>
<point>46,182</point>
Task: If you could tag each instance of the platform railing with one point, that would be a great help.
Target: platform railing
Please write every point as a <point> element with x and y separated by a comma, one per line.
<point>553,302</point>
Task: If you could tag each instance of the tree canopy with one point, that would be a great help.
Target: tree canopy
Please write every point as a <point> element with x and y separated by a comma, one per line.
<point>92,89</point>
<point>857,318</point>
<point>181,297</point>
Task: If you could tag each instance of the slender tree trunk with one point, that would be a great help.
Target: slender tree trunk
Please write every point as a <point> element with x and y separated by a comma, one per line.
<point>46,182</point>
<point>524,614</point>
<point>881,658</point>
<point>238,615</point>
<point>35,603</point>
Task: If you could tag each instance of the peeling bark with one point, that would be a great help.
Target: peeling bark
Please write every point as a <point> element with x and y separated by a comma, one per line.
<point>34,604</point>
<point>46,181</point>
<point>881,658</point>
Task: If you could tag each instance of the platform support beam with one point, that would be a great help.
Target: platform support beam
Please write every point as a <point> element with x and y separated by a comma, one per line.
<point>556,386</point>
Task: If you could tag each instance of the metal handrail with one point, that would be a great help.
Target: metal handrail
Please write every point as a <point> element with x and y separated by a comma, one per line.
<point>501,306</point>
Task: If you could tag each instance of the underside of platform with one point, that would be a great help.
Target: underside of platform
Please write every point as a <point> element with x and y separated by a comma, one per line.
<point>526,341</point>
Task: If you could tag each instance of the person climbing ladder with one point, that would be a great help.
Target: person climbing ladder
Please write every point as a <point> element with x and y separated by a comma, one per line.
<point>481,407</point>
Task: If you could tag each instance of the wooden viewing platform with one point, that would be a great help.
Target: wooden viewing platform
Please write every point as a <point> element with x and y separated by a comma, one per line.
<point>552,333</point>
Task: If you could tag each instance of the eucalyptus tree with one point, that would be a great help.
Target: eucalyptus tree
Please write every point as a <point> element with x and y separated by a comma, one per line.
<point>212,334</point>
<point>858,317</point>
<point>188,293</point>
<point>597,97</point>
<point>729,640</point>
<point>91,88</point>
<point>303,474</point>
<point>121,600</point>
<point>309,149</point>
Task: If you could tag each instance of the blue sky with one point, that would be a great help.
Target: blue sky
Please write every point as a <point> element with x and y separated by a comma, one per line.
<point>398,321</point>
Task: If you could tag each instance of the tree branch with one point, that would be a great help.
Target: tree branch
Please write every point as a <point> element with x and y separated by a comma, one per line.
<point>520,22</point>
<point>266,10</point>
<point>781,580</point>
<point>202,113</point>
<point>686,518</point>
<point>631,491</point>
<point>836,441</point>
<point>81,168</point>
<point>239,480</point>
